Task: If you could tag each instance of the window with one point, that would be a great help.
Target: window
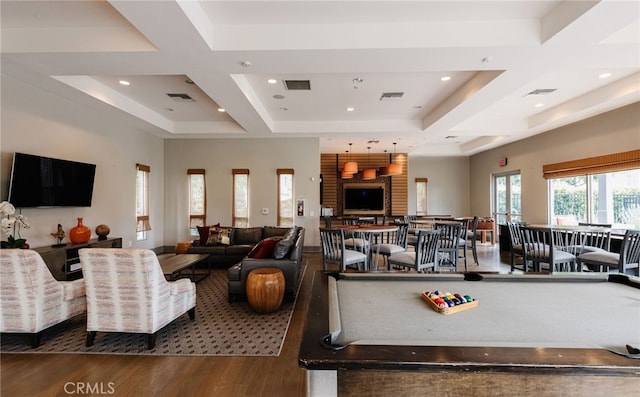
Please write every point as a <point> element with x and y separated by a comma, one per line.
<point>142,201</point>
<point>603,189</point>
<point>506,201</point>
<point>421,196</point>
<point>240,208</point>
<point>285,197</point>
<point>197,200</point>
<point>610,198</point>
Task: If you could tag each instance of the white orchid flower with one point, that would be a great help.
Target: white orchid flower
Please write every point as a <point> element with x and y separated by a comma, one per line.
<point>6,208</point>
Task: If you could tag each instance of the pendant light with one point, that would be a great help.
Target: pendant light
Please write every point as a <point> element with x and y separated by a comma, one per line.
<point>394,169</point>
<point>369,173</point>
<point>346,175</point>
<point>350,167</point>
<point>384,171</point>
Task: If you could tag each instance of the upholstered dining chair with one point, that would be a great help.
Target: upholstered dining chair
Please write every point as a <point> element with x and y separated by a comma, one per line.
<point>424,257</point>
<point>31,299</point>
<point>540,247</point>
<point>392,242</point>
<point>127,292</point>
<point>334,252</point>
<point>627,259</point>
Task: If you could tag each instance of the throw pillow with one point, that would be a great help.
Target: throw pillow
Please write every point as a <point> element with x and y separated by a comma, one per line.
<point>264,249</point>
<point>218,236</point>
<point>284,245</point>
<point>204,232</point>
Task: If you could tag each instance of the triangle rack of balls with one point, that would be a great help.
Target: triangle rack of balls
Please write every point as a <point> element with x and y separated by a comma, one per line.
<point>448,303</point>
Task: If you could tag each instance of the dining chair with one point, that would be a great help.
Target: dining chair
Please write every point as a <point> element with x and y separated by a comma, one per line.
<point>392,243</point>
<point>472,239</point>
<point>515,238</point>
<point>424,257</point>
<point>449,246</point>
<point>462,240</point>
<point>334,251</point>
<point>327,222</point>
<point>539,246</point>
<point>590,240</point>
<point>626,260</point>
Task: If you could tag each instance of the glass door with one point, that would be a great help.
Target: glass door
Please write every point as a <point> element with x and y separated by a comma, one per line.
<point>506,201</point>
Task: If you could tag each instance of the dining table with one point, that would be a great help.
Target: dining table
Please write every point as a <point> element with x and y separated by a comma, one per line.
<point>375,231</point>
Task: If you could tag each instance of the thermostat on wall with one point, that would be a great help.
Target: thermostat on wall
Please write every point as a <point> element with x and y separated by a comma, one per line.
<point>265,211</point>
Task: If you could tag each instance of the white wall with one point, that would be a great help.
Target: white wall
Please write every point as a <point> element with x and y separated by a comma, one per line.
<point>447,186</point>
<point>36,122</point>
<point>262,157</point>
<point>612,132</point>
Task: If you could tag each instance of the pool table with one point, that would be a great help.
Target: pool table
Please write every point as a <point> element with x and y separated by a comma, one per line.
<point>530,334</point>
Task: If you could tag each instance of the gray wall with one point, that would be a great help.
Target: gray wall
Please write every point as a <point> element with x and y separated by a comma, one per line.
<point>262,157</point>
<point>447,186</point>
<point>612,132</point>
<point>36,122</point>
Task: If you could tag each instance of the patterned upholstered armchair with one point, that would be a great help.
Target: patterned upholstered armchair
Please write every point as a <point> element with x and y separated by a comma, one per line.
<point>31,299</point>
<point>127,292</point>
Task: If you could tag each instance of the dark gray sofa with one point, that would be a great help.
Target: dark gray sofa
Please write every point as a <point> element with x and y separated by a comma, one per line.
<point>289,264</point>
<point>242,241</point>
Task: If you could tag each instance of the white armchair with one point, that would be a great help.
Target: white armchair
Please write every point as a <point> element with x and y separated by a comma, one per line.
<point>127,292</point>
<point>31,299</point>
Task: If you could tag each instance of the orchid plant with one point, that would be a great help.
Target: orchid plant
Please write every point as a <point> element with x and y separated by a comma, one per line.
<point>10,223</point>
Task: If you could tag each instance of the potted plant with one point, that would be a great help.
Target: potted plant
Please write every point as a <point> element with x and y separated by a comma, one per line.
<point>10,223</point>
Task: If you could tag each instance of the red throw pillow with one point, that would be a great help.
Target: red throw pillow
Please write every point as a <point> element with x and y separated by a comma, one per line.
<point>264,249</point>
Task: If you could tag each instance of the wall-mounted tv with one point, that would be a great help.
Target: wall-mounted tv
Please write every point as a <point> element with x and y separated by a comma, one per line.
<point>38,181</point>
<point>365,198</point>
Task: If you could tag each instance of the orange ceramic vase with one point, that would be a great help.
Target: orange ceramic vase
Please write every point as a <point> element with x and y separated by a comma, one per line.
<point>79,233</point>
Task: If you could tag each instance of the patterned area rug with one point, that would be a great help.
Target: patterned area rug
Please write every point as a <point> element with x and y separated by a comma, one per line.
<point>219,329</point>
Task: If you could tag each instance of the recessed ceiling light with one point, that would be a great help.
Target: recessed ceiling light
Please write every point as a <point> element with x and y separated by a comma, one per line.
<point>278,96</point>
<point>445,78</point>
<point>604,75</point>
<point>245,64</point>
<point>350,109</point>
<point>284,109</point>
<point>272,81</point>
<point>221,110</point>
<point>539,105</point>
<point>417,107</point>
<point>124,82</point>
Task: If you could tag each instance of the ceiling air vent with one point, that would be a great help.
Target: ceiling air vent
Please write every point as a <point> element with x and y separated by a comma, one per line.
<point>181,98</point>
<point>542,91</point>
<point>297,84</point>
<point>386,96</point>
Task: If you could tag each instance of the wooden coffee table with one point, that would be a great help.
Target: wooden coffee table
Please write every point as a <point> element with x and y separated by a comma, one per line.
<point>174,265</point>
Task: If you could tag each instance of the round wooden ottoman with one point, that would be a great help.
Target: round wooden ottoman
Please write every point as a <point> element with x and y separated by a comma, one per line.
<point>181,248</point>
<point>265,289</point>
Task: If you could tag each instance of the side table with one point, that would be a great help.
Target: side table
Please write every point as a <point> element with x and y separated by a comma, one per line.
<point>265,289</point>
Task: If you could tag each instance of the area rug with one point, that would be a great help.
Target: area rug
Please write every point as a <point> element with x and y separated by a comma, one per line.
<point>219,329</point>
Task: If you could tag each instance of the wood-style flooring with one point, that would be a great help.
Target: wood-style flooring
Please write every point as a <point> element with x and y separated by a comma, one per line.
<point>46,375</point>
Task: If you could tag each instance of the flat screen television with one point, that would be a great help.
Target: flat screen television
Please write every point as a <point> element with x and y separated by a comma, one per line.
<point>363,199</point>
<point>38,181</point>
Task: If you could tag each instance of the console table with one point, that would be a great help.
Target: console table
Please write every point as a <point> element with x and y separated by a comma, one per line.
<point>64,262</point>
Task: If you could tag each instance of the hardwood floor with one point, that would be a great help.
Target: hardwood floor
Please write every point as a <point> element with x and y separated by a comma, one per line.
<point>46,375</point>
